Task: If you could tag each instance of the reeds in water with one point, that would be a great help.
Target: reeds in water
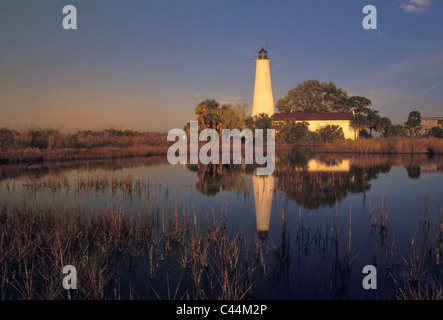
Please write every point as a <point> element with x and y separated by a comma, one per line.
<point>36,243</point>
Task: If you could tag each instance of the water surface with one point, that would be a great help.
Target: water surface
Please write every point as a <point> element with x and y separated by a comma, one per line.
<point>320,218</point>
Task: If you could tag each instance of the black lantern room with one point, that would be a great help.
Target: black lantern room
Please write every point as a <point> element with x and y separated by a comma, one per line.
<point>263,54</point>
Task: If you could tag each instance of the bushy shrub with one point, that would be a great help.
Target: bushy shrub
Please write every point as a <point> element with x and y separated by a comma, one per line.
<point>294,132</point>
<point>6,139</point>
<point>436,132</point>
<point>395,130</point>
<point>38,139</point>
<point>330,133</point>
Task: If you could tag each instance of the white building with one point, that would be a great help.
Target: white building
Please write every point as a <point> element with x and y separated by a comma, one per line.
<point>322,119</point>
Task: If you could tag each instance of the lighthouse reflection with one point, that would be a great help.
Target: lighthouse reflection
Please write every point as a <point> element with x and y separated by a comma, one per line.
<point>263,187</point>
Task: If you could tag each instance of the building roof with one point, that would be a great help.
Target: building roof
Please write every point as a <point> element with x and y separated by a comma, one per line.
<point>431,118</point>
<point>263,50</point>
<point>308,116</point>
<point>263,54</point>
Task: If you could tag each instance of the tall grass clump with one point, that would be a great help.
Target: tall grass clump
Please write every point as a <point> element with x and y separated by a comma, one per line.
<point>421,267</point>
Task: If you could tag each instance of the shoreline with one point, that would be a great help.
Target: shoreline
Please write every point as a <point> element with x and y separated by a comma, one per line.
<point>31,155</point>
<point>380,146</point>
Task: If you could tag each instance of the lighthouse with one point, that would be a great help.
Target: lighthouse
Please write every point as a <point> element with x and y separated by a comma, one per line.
<point>263,99</point>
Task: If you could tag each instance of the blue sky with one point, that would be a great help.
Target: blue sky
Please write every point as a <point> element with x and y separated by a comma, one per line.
<point>144,65</point>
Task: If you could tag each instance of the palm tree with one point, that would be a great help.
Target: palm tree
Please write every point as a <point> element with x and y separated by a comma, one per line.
<point>205,112</point>
<point>383,124</point>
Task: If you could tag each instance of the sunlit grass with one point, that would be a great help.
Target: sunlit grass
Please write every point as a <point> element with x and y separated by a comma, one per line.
<point>394,145</point>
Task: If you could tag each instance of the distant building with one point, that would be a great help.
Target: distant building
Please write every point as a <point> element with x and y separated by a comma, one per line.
<point>430,122</point>
<point>322,119</point>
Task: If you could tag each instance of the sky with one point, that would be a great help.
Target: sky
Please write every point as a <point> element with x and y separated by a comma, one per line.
<point>145,65</point>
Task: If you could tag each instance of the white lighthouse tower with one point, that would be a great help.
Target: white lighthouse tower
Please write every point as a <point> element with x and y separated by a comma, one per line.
<point>263,99</point>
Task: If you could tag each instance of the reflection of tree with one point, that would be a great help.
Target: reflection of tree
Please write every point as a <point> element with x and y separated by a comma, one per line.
<point>316,189</point>
<point>414,172</point>
<point>213,177</point>
<point>329,161</point>
<point>310,189</point>
<point>295,159</point>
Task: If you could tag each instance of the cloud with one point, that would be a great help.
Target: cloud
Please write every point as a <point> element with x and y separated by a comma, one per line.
<point>416,68</point>
<point>385,96</point>
<point>431,87</point>
<point>416,6</point>
<point>221,98</point>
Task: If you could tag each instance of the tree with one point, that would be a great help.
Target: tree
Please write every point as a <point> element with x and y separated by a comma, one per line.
<point>206,112</point>
<point>436,132</point>
<point>293,131</point>
<point>234,117</point>
<point>262,121</point>
<point>413,124</point>
<point>210,114</point>
<point>364,134</point>
<point>38,139</point>
<point>330,133</point>
<point>314,96</point>
<point>383,124</point>
<point>359,104</point>
<point>395,130</point>
<point>372,118</point>
<point>187,128</point>
<point>358,122</point>
<point>365,117</point>
<point>249,123</point>
<point>6,138</point>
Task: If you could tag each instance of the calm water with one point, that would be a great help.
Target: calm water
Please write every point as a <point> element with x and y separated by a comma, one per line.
<point>319,216</point>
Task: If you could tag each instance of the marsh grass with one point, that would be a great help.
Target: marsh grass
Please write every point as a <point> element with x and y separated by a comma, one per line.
<point>422,265</point>
<point>36,155</point>
<point>392,145</point>
<point>44,144</point>
<point>91,181</point>
<point>188,258</point>
<point>379,217</point>
<point>185,255</point>
<point>35,244</point>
